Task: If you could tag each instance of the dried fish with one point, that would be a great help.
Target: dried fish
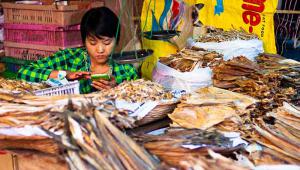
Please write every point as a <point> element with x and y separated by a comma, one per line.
<point>200,117</point>
<point>208,107</point>
<point>244,76</point>
<point>288,71</point>
<point>283,134</point>
<point>219,35</point>
<point>214,95</point>
<point>270,157</point>
<point>136,91</point>
<point>100,145</point>
<point>20,86</point>
<point>189,149</point>
<point>188,59</point>
<point>287,147</point>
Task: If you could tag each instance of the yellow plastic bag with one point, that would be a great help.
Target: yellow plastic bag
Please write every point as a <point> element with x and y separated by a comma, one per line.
<point>252,15</point>
<point>161,15</point>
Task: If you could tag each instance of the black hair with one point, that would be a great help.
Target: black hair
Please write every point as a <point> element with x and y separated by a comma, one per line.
<point>98,22</point>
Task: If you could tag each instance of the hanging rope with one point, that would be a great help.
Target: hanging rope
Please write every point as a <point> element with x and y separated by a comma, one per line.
<point>118,30</point>
<point>287,24</point>
<point>297,34</point>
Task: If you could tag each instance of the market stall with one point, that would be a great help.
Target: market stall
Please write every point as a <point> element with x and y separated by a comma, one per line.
<point>220,102</point>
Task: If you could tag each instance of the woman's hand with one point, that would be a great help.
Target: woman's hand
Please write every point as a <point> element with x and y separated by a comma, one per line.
<point>104,84</point>
<point>78,75</point>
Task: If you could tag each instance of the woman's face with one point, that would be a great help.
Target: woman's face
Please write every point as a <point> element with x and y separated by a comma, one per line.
<point>99,49</point>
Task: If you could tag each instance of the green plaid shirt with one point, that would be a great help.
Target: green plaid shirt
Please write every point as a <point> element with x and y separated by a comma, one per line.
<point>72,59</point>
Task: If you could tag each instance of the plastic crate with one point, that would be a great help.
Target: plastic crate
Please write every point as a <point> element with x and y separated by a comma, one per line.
<point>43,34</point>
<point>30,51</point>
<point>71,88</point>
<point>61,15</point>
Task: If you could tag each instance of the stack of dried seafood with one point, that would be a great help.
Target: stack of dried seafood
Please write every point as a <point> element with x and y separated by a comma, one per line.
<point>270,62</point>
<point>288,69</point>
<point>283,134</point>
<point>20,86</point>
<point>229,74</point>
<point>187,59</point>
<point>210,106</point>
<point>244,76</point>
<point>267,156</point>
<point>186,149</point>
<point>291,79</point>
<point>20,125</point>
<point>22,117</point>
<point>92,142</point>
<point>137,91</point>
<point>219,35</point>
<point>29,110</point>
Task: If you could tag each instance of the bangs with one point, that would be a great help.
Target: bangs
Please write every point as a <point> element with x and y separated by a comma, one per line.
<point>99,22</point>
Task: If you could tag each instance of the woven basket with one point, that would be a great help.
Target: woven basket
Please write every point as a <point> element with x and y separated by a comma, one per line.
<point>159,112</point>
<point>37,143</point>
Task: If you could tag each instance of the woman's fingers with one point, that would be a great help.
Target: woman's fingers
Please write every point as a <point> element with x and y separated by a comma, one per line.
<point>104,82</point>
<point>78,75</point>
<point>100,85</point>
<point>84,74</point>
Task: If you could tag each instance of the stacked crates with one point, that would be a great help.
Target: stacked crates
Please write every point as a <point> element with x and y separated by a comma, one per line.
<point>35,31</point>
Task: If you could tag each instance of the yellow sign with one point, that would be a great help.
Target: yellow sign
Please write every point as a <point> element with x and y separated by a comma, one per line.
<point>254,16</point>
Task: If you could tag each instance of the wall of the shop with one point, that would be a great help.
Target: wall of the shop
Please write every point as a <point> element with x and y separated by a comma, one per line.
<point>130,19</point>
<point>127,23</point>
<point>287,28</point>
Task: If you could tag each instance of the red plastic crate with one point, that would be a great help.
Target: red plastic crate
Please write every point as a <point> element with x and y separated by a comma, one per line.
<point>26,53</point>
<point>30,51</point>
<point>43,34</point>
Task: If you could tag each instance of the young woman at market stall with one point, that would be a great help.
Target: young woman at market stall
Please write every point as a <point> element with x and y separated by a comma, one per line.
<point>100,33</point>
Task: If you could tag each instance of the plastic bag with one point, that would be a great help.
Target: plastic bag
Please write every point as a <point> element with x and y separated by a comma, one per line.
<point>164,15</point>
<point>230,49</point>
<point>174,80</point>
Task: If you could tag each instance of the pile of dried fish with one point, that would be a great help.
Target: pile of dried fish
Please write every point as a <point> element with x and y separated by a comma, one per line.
<point>187,59</point>
<point>186,149</point>
<point>288,69</point>
<point>137,91</point>
<point>219,35</point>
<point>270,62</point>
<point>22,117</point>
<point>244,76</point>
<point>25,115</point>
<point>92,142</point>
<point>229,73</point>
<point>268,156</point>
<point>17,111</point>
<point>20,86</point>
<point>283,134</point>
<point>213,161</point>
<point>20,125</point>
<point>210,106</point>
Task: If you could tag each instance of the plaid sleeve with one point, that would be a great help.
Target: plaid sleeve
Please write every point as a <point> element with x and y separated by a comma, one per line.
<point>41,69</point>
<point>124,72</point>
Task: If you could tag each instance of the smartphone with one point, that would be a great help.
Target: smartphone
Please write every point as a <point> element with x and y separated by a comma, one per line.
<point>100,76</point>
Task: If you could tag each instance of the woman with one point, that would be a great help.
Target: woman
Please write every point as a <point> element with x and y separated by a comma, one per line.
<point>100,33</point>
